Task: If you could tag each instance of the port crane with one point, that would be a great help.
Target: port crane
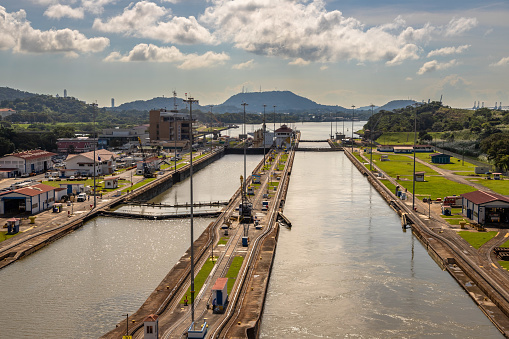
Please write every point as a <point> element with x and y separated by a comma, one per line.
<point>148,171</point>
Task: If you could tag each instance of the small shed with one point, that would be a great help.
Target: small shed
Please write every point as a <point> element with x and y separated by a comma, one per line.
<point>73,188</point>
<point>151,327</point>
<point>384,157</point>
<point>404,149</point>
<point>440,158</point>
<point>219,295</point>
<point>419,176</point>
<point>483,207</point>
<point>385,148</point>
<point>111,182</point>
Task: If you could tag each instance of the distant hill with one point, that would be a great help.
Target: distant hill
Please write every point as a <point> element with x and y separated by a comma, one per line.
<point>395,104</point>
<point>10,94</point>
<point>285,101</point>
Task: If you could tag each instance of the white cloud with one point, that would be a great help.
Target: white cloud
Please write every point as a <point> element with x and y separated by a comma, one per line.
<point>323,67</point>
<point>448,50</point>
<point>460,26</point>
<point>209,59</point>
<point>152,53</point>
<point>59,11</point>
<point>434,65</point>
<point>501,62</point>
<point>409,79</point>
<point>305,29</point>
<point>96,6</point>
<point>170,1</point>
<point>299,62</point>
<point>245,65</point>
<point>146,20</point>
<point>17,34</point>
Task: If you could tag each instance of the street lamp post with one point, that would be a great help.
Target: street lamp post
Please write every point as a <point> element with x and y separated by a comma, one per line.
<point>415,141</point>
<point>353,112</point>
<point>274,120</point>
<point>371,140</point>
<point>191,100</point>
<point>212,136</point>
<point>94,105</point>
<point>245,141</point>
<point>330,116</point>
<point>126,324</point>
<point>264,134</point>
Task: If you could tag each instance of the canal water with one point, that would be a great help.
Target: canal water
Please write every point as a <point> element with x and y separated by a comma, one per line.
<point>347,270</point>
<point>81,285</point>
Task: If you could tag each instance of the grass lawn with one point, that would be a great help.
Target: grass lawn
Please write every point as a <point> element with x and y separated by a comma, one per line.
<point>172,166</point>
<point>223,240</point>
<point>273,183</point>
<point>402,165</point>
<point>141,183</point>
<point>5,236</point>
<point>88,182</point>
<point>504,264</point>
<point>437,187</point>
<point>233,271</point>
<point>477,239</point>
<point>389,185</point>
<point>199,280</point>
<point>506,244</point>
<point>498,186</point>
<point>453,221</point>
<point>393,138</point>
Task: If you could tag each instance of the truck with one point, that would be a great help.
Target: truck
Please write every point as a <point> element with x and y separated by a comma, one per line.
<point>453,201</point>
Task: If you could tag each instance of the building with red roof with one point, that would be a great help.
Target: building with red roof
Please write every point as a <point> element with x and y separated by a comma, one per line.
<point>33,161</point>
<point>151,327</point>
<point>484,207</point>
<point>31,199</point>
<point>283,136</point>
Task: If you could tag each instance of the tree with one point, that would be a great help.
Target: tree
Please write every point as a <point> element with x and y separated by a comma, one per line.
<point>496,146</point>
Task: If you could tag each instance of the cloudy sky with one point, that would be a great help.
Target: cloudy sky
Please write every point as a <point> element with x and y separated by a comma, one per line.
<point>336,52</point>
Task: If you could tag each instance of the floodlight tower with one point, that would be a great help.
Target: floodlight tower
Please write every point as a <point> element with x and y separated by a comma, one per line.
<point>190,101</point>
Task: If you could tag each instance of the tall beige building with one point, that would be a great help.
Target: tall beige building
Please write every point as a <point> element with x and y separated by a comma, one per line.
<point>169,125</point>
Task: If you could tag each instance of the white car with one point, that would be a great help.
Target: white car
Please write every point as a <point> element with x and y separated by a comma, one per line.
<point>81,197</point>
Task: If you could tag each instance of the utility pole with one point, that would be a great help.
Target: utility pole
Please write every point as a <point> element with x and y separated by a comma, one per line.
<point>94,105</point>
<point>190,101</point>
<point>245,141</point>
<point>264,134</point>
<point>371,141</point>
<point>353,113</point>
<point>127,324</point>
<point>274,137</point>
<point>212,136</point>
<point>175,111</point>
<point>415,141</point>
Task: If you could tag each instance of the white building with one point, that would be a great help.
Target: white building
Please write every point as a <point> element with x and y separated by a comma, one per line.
<point>283,137</point>
<point>32,199</point>
<point>151,327</point>
<point>34,161</point>
<point>83,164</point>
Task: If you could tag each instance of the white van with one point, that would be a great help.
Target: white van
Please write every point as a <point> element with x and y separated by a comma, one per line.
<point>81,197</point>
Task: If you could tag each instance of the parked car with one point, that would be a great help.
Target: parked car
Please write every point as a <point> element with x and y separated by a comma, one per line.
<point>81,197</point>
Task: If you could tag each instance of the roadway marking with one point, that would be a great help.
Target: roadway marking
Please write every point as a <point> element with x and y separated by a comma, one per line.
<point>494,265</point>
<point>506,235</point>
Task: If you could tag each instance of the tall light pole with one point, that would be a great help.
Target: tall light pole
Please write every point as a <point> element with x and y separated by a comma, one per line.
<point>175,111</point>
<point>415,141</point>
<point>212,136</point>
<point>274,137</point>
<point>371,140</point>
<point>264,135</point>
<point>353,112</point>
<point>94,105</point>
<point>245,141</point>
<point>190,101</point>
<point>330,116</point>
<point>127,324</point>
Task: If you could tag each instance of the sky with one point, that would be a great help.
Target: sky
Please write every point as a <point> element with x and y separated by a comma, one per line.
<point>334,52</point>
